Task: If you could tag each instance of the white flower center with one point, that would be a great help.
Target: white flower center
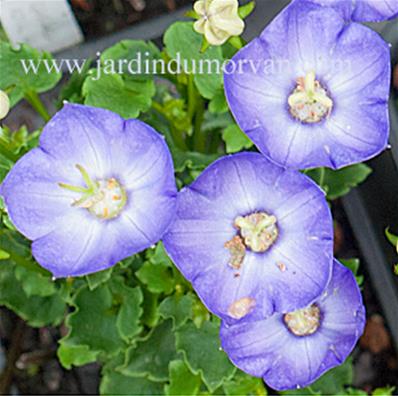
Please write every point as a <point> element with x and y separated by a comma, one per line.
<point>304,321</point>
<point>104,199</point>
<point>309,102</point>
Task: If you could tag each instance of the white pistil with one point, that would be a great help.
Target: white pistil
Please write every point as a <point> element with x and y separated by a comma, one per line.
<point>309,102</point>
<point>104,199</point>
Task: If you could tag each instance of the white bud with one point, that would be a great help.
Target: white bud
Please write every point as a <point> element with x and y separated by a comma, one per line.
<point>4,104</point>
<point>218,20</point>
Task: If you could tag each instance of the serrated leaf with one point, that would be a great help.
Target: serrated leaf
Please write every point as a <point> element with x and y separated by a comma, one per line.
<point>14,77</point>
<point>202,353</point>
<point>98,278</point>
<point>115,383</point>
<point>178,308</point>
<point>128,98</point>
<point>37,311</point>
<point>244,384</point>
<point>235,140</point>
<point>151,356</point>
<point>139,56</point>
<point>157,277</point>
<point>191,160</point>
<point>78,355</point>
<point>338,183</point>
<point>93,323</point>
<point>181,40</point>
<point>219,103</point>
<point>182,381</point>
<point>130,311</point>
<point>35,283</point>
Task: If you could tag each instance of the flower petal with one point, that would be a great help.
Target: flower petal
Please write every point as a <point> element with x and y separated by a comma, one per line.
<point>266,348</point>
<point>34,200</point>
<point>82,135</point>
<point>239,185</point>
<point>298,42</point>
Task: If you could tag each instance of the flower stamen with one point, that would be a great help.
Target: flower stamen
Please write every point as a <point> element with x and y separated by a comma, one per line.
<point>104,199</point>
<point>304,321</point>
<point>258,230</point>
<point>309,102</point>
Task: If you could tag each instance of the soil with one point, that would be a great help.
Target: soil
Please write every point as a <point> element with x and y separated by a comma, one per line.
<point>101,17</point>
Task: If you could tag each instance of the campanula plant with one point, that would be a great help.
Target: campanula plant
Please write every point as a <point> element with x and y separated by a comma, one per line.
<point>173,218</point>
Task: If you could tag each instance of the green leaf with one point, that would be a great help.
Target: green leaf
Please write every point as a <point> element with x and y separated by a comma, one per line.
<point>77,355</point>
<point>353,265</point>
<point>245,10</point>
<point>140,57</point>
<point>72,90</point>
<point>202,353</point>
<point>192,160</point>
<point>157,277</point>
<point>387,391</point>
<point>37,311</point>
<point>219,103</point>
<point>338,183</point>
<point>92,324</point>
<point>235,140</point>
<point>4,255</point>
<point>35,283</point>
<point>178,308</point>
<point>182,381</point>
<point>181,40</point>
<point>130,312</point>
<point>392,238</point>
<point>243,384</point>
<point>150,305</point>
<point>115,383</point>
<point>159,256</point>
<point>15,79</point>
<point>126,97</point>
<point>98,278</point>
<point>151,356</point>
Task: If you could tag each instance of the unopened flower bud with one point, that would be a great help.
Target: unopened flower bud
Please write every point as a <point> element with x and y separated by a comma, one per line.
<point>4,104</point>
<point>218,20</point>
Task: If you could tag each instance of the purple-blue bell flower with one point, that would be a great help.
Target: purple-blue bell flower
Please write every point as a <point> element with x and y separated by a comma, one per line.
<point>363,10</point>
<point>97,190</point>
<point>292,350</point>
<point>252,237</point>
<point>305,93</point>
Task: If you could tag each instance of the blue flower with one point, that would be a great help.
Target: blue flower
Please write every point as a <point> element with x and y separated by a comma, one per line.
<point>97,190</point>
<point>252,237</point>
<point>363,10</point>
<point>293,349</point>
<point>312,90</point>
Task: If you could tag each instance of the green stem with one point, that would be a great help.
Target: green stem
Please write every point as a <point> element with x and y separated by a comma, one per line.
<point>33,98</point>
<point>7,153</point>
<point>192,97</point>
<point>176,135</point>
<point>322,176</point>
<point>199,135</point>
